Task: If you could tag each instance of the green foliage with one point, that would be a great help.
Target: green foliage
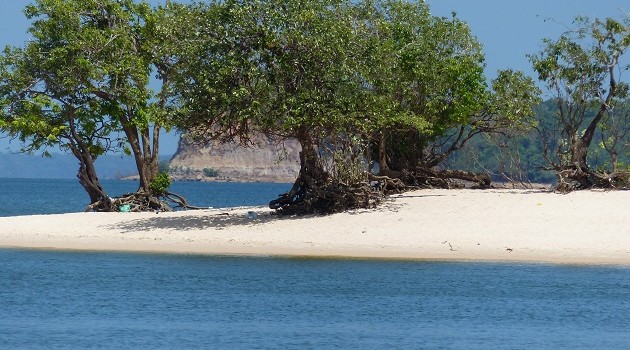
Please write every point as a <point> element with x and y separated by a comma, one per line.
<point>427,94</point>
<point>516,156</point>
<point>348,168</point>
<point>524,151</point>
<point>425,73</point>
<point>160,183</point>
<point>346,161</point>
<point>513,98</point>
<point>582,70</point>
<point>284,68</point>
<point>82,81</point>
<point>210,172</point>
<point>318,71</point>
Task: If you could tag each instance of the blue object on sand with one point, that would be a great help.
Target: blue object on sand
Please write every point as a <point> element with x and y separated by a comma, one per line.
<point>124,208</point>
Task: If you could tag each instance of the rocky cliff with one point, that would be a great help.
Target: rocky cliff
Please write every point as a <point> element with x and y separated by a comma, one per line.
<point>264,161</point>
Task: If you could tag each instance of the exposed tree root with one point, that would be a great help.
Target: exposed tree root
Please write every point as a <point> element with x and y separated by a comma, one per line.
<point>310,197</point>
<point>387,185</point>
<point>616,180</point>
<point>141,201</point>
<point>180,201</point>
<point>572,179</point>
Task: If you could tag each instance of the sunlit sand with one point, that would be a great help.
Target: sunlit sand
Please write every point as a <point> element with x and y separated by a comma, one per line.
<point>591,227</point>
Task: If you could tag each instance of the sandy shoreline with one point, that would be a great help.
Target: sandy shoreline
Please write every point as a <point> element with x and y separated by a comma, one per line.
<point>589,227</point>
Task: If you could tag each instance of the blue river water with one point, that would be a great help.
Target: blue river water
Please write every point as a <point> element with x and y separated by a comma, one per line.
<point>53,196</point>
<point>107,300</point>
<point>68,300</point>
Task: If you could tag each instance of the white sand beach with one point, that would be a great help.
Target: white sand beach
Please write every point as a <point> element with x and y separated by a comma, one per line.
<point>587,227</point>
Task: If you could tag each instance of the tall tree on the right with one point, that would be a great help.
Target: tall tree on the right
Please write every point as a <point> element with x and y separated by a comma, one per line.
<point>582,71</point>
<point>427,95</point>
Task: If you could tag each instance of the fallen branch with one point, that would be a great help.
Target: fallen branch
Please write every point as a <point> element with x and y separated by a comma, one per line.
<point>432,178</point>
<point>180,201</point>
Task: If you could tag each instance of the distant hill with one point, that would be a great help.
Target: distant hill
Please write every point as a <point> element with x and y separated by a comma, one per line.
<point>264,161</point>
<point>63,166</point>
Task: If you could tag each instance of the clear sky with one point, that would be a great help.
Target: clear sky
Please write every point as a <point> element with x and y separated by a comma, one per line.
<point>511,29</point>
<point>508,29</point>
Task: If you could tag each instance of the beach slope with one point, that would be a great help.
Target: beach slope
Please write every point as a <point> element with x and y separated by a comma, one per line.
<point>586,227</point>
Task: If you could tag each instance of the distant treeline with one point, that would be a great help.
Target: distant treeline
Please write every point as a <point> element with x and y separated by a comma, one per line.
<point>521,158</point>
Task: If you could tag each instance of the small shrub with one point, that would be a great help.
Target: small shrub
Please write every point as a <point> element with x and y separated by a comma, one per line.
<point>160,184</point>
<point>210,172</point>
<point>348,169</point>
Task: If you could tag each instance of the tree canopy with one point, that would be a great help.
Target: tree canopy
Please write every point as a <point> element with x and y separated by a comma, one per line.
<point>582,70</point>
<point>343,78</point>
<point>85,82</point>
<point>356,83</point>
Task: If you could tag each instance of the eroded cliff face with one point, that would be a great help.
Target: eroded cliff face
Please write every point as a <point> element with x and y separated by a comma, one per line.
<point>265,161</point>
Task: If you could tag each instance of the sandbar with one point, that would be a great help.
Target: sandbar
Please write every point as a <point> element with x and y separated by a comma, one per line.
<point>498,225</point>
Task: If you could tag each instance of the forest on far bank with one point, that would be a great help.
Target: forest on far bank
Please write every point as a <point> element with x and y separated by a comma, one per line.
<point>519,160</point>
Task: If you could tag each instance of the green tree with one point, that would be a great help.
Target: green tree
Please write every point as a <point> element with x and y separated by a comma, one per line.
<point>611,155</point>
<point>426,91</point>
<point>83,83</point>
<point>337,76</point>
<point>282,68</point>
<point>326,73</point>
<point>582,71</point>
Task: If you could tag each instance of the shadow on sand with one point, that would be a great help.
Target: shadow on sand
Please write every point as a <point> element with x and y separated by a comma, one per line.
<point>194,222</point>
<point>222,220</point>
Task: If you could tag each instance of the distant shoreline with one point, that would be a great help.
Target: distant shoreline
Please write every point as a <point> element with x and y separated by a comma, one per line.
<point>218,179</point>
<point>587,227</point>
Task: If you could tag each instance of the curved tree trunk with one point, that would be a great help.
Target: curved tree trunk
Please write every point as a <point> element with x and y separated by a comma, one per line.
<point>425,175</point>
<point>99,200</point>
<point>88,178</point>
<point>310,171</point>
<point>579,166</point>
<point>315,191</point>
<point>577,175</point>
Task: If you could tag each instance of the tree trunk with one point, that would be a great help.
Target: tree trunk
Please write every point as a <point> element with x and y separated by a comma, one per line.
<point>309,160</point>
<point>483,180</point>
<point>99,200</point>
<point>312,173</point>
<point>145,153</point>
<point>382,158</point>
<point>308,189</point>
<point>314,191</point>
<point>147,170</point>
<point>579,171</point>
<point>382,152</point>
<point>89,180</point>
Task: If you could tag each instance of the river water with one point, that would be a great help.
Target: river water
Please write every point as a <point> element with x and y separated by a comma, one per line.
<point>79,300</point>
<point>53,196</point>
<point>58,299</point>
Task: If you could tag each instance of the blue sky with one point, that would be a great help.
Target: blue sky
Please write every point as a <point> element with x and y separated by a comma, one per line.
<point>511,29</point>
<point>508,29</point>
